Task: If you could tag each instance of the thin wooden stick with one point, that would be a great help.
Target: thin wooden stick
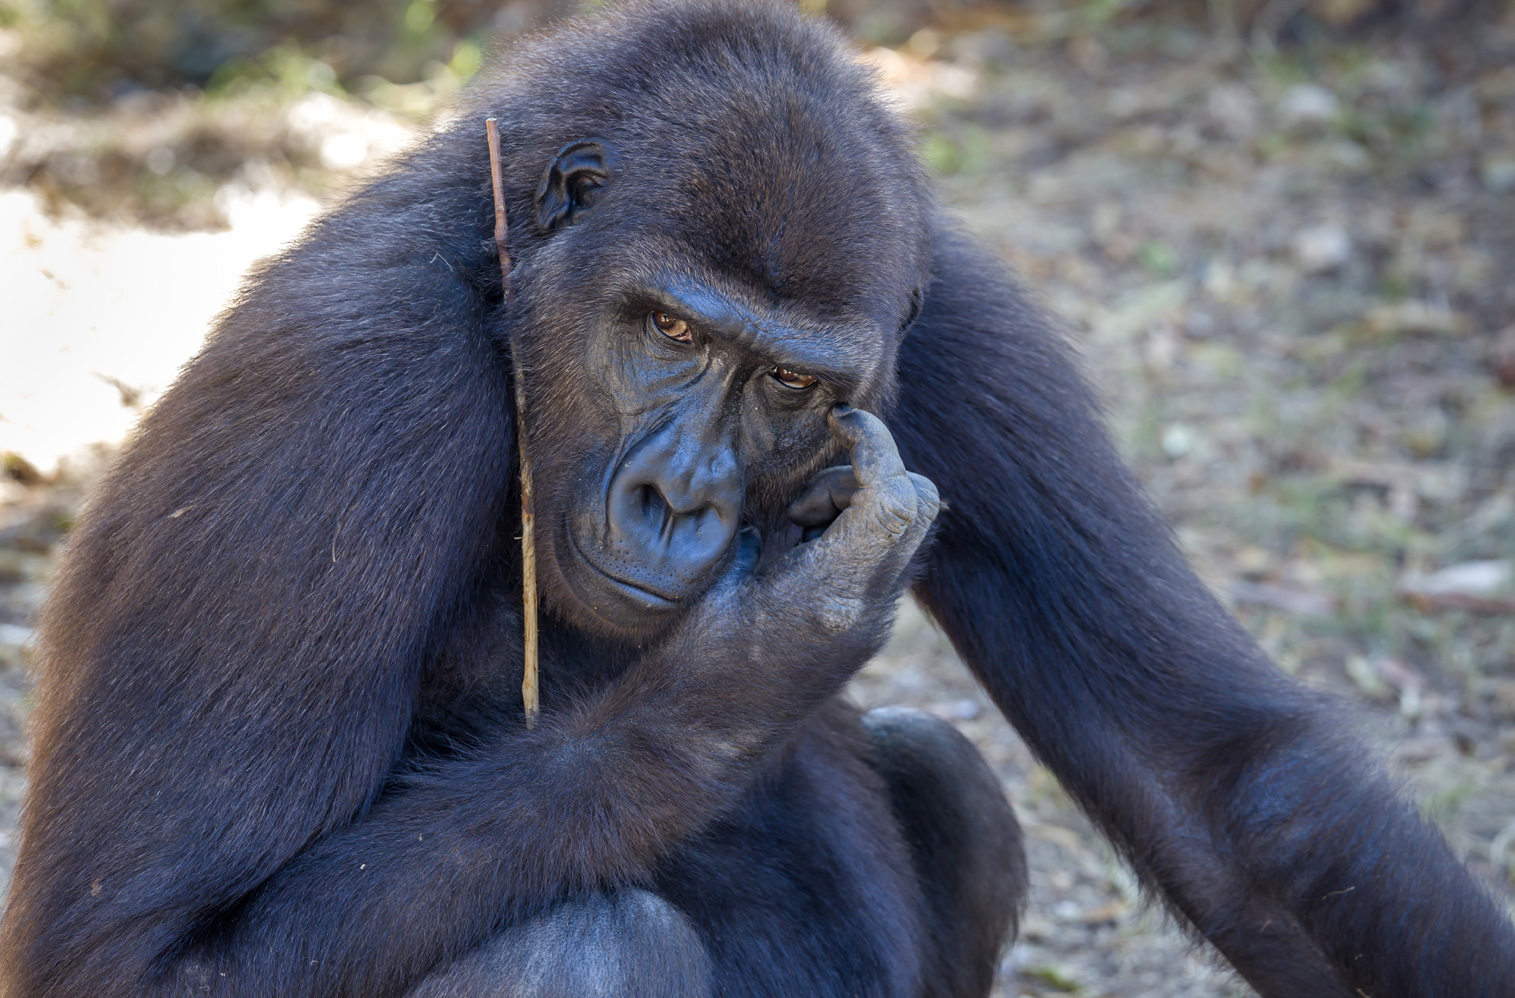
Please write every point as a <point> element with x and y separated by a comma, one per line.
<point>529,694</point>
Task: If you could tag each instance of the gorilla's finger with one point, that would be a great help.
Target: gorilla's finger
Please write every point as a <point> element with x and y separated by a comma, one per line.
<point>931,499</point>
<point>919,494</point>
<point>885,504</point>
<point>879,519</point>
<point>877,531</point>
<point>828,493</point>
<point>869,443</point>
<point>929,504</point>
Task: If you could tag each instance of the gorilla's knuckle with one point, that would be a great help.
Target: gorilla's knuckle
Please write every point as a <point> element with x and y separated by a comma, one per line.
<point>893,521</point>
<point>926,489</point>
<point>895,506</point>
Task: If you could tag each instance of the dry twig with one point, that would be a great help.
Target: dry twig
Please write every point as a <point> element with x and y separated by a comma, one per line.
<point>528,516</point>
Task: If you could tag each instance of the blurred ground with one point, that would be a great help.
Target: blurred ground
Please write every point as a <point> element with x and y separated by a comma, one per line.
<point>1291,269</point>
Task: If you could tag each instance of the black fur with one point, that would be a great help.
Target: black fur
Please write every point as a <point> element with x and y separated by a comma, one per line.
<point>279,744</point>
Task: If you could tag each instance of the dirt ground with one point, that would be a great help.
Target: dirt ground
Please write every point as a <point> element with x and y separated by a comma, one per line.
<point>1292,273</point>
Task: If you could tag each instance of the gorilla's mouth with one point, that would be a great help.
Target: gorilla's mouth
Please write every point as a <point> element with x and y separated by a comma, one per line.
<point>643,598</point>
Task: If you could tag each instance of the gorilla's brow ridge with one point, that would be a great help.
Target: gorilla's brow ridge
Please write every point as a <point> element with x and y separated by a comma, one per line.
<point>812,350</point>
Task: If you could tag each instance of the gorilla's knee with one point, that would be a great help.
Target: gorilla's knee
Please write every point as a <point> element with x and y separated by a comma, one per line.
<point>965,841</point>
<point>948,798</point>
<point>626,944</point>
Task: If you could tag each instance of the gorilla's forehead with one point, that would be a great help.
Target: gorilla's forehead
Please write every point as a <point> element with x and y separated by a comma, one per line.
<point>785,191</point>
<point>786,209</point>
<point>751,135</point>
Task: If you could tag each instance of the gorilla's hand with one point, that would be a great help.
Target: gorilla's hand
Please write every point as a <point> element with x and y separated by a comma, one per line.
<point>848,579</point>
<point>878,515</point>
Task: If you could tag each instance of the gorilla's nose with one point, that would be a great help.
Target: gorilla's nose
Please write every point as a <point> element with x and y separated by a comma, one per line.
<point>673,511</point>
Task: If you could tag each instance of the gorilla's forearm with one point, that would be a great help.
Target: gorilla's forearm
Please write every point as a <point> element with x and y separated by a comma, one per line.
<point>1229,786</point>
<point>589,799</point>
<point>584,801</point>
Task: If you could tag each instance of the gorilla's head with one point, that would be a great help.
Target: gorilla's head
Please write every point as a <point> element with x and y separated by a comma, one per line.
<point>710,271</point>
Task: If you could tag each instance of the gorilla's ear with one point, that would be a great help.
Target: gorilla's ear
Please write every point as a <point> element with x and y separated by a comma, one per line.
<point>573,180</point>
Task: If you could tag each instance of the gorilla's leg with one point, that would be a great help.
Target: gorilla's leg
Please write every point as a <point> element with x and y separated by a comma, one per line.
<point>628,944</point>
<point>965,842</point>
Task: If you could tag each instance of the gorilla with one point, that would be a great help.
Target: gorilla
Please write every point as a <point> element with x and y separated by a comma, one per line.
<point>280,740</point>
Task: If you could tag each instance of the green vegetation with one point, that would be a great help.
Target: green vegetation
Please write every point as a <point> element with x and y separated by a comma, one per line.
<point>97,49</point>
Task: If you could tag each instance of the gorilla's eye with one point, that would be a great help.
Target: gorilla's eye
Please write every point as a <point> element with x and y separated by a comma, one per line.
<point>674,329</point>
<point>789,379</point>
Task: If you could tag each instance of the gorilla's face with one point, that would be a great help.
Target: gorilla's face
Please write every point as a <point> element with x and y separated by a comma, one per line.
<point>679,383</point>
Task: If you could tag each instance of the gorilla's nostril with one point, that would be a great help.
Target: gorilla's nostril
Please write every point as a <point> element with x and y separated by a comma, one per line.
<point>656,513</point>
<point>650,502</point>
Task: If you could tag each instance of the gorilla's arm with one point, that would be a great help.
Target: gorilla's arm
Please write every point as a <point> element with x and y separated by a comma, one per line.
<point>1229,786</point>
<point>232,651</point>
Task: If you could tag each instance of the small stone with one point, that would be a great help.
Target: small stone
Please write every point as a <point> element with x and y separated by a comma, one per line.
<point>1067,911</point>
<point>1349,157</point>
<point>1366,678</point>
<point>1179,440</point>
<point>1469,578</point>
<point>1498,174</point>
<point>1411,316</point>
<point>1321,248</point>
<point>1233,110</point>
<point>160,160</point>
<point>1253,562</point>
<point>1308,104</point>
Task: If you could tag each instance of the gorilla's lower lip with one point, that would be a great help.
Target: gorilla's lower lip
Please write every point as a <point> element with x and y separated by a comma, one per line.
<point>654,601</point>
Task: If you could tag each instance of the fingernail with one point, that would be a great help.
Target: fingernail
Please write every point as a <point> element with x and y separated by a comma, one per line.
<point>842,409</point>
